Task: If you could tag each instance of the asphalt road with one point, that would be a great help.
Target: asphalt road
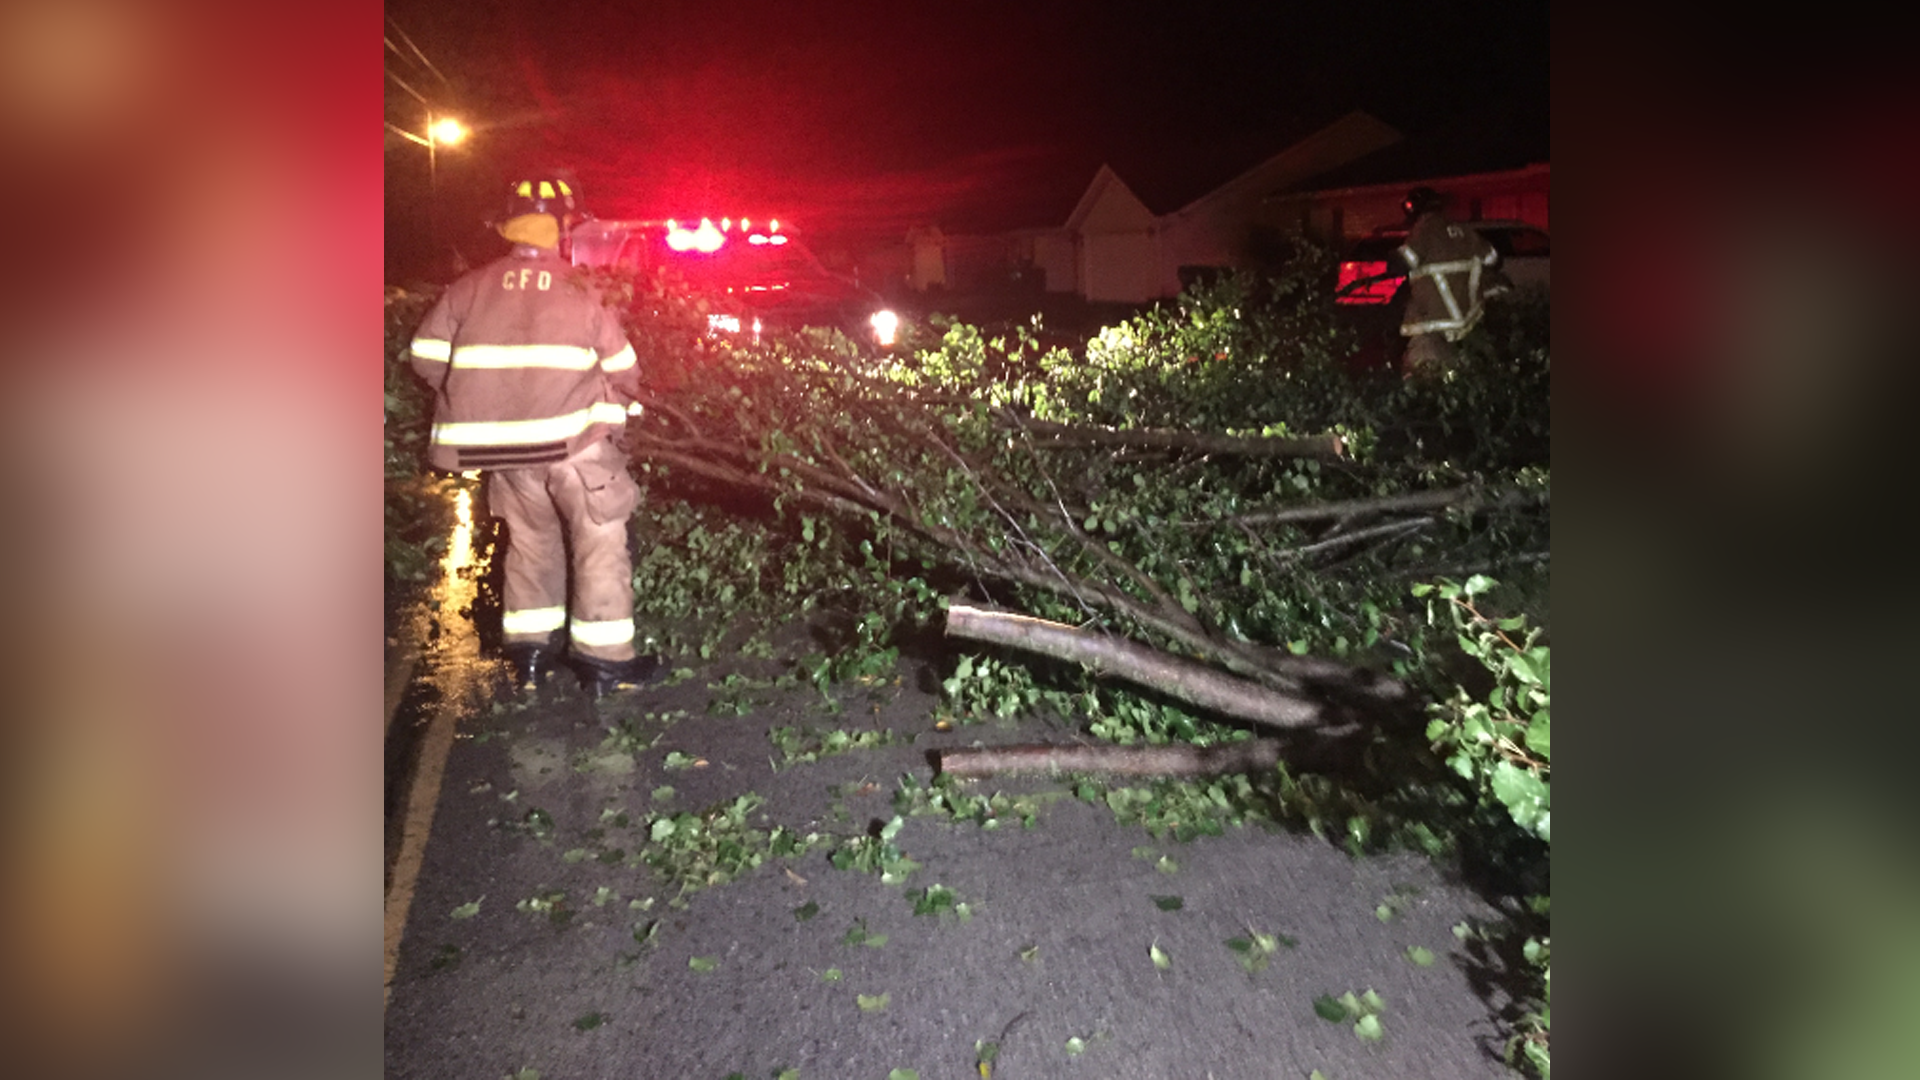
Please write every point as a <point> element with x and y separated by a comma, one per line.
<point>538,939</point>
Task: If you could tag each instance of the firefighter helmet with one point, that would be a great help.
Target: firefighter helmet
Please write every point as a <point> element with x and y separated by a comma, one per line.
<point>1421,200</point>
<point>544,195</point>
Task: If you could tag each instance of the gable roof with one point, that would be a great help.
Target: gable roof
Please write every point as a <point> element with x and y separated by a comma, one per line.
<point>1354,136</point>
<point>1494,138</point>
<point>1106,185</point>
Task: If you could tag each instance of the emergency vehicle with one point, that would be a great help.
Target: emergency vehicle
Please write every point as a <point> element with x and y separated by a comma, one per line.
<point>757,276</point>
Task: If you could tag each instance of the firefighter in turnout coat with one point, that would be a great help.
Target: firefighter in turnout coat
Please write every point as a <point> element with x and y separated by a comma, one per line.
<point>1450,274</point>
<point>533,378</point>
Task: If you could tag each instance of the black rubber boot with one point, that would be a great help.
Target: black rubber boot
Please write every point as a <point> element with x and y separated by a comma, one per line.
<point>529,665</point>
<point>602,677</point>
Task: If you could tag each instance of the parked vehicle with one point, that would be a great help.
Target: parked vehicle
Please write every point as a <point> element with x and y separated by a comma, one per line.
<point>1371,288</point>
<point>1371,271</point>
<point>757,279</point>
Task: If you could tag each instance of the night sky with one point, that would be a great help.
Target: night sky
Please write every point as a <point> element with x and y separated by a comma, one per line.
<point>857,120</point>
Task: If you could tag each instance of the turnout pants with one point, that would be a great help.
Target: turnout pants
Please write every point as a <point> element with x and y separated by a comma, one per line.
<point>1428,354</point>
<point>579,506</point>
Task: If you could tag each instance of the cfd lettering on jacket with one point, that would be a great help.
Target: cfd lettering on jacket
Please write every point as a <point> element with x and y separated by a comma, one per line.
<point>525,276</point>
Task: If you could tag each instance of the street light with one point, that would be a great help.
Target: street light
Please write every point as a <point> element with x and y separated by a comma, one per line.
<point>443,131</point>
<point>447,131</point>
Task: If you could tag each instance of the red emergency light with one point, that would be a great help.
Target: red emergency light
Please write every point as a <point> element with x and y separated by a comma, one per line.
<point>708,238</point>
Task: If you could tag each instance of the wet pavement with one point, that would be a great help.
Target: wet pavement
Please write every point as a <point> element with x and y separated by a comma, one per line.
<point>538,936</point>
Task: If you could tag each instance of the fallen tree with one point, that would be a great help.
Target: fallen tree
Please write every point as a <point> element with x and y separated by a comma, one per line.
<point>1104,653</point>
<point>1230,515</point>
<point>1179,759</point>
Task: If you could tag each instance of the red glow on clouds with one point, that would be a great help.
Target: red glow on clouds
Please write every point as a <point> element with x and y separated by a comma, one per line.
<point>720,138</point>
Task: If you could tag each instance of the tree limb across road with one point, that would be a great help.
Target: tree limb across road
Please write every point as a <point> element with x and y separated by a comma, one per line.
<point>1193,683</point>
<point>1177,759</point>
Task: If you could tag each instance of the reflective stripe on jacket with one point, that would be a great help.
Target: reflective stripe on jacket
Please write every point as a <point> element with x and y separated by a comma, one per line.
<point>1446,264</point>
<point>526,363</point>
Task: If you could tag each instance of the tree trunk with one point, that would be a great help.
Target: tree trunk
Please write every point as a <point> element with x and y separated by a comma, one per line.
<point>1176,760</point>
<point>1182,679</point>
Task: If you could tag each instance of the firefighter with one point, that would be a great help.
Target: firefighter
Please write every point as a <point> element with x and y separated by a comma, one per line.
<point>533,381</point>
<point>1449,277</point>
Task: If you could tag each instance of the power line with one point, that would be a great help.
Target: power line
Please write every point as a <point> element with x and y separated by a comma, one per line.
<point>410,136</point>
<point>428,64</point>
<point>416,94</point>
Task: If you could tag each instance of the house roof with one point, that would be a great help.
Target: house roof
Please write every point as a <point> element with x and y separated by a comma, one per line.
<point>1355,150</point>
<point>1353,136</point>
<point>1107,185</point>
<point>1490,139</point>
<point>1175,171</point>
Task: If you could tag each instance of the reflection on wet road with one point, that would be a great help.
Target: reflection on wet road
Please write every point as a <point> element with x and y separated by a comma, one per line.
<point>450,679</point>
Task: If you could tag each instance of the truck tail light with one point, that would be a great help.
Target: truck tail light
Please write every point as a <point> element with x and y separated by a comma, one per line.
<point>1378,288</point>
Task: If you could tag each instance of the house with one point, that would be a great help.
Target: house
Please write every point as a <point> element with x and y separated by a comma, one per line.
<point>1346,213</point>
<point>1335,185</point>
<point>1113,247</point>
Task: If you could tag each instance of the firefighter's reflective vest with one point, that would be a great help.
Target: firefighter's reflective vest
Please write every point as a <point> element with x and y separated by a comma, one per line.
<point>1447,269</point>
<point>527,366</point>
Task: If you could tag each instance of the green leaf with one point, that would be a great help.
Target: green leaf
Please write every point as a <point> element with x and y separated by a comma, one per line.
<point>1522,792</point>
<point>1166,865</point>
<point>662,828</point>
<point>1240,945</point>
<point>872,1002</point>
<point>832,975</point>
<point>1373,1002</point>
<point>787,1074</point>
<point>1076,1046</point>
<point>1420,956</point>
<point>1168,903</point>
<point>1329,1009</point>
<point>1160,958</point>
<point>1030,953</point>
<point>1368,1028</point>
<point>1540,734</point>
<point>467,910</point>
<point>702,963</point>
<point>1384,912</point>
<point>806,911</point>
<point>903,1074</point>
<point>589,1021</point>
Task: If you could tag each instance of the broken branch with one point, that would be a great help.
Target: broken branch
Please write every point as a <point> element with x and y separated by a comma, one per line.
<point>1182,679</point>
<point>1256,755</point>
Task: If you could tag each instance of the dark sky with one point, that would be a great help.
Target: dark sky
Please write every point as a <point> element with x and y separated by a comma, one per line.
<point>860,119</point>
